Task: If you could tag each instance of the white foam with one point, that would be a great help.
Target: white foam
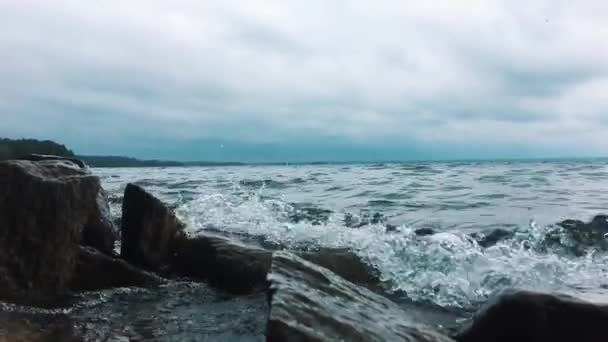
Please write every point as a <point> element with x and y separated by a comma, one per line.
<point>448,268</point>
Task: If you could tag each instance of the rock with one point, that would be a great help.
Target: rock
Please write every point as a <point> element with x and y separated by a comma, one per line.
<point>580,235</point>
<point>149,229</point>
<point>490,238</point>
<point>45,157</point>
<point>95,271</point>
<point>537,317</point>
<point>43,209</point>
<point>424,231</point>
<point>100,231</point>
<point>346,264</point>
<point>310,303</point>
<point>223,263</point>
<point>24,327</point>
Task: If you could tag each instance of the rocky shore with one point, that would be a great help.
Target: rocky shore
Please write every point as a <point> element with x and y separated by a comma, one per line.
<point>58,239</point>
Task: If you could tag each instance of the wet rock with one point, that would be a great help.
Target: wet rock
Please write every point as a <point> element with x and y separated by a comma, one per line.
<point>310,303</point>
<point>149,229</point>
<point>224,263</point>
<point>17,327</point>
<point>537,317</point>
<point>44,207</point>
<point>95,271</point>
<point>346,264</point>
<point>100,231</point>
<point>490,238</point>
<point>424,231</point>
<point>577,236</point>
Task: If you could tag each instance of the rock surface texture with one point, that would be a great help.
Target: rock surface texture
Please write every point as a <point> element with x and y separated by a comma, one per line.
<point>149,230</point>
<point>310,303</point>
<point>537,317</point>
<point>224,263</point>
<point>44,207</point>
<point>95,270</point>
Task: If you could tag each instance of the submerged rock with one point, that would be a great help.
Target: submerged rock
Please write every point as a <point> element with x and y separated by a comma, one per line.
<point>224,263</point>
<point>490,238</point>
<point>310,303</point>
<point>44,207</point>
<point>577,237</point>
<point>95,271</point>
<point>425,231</point>
<point>537,317</point>
<point>149,229</point>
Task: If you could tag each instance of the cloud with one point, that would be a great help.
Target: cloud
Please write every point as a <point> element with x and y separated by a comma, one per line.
<point>128,77</point>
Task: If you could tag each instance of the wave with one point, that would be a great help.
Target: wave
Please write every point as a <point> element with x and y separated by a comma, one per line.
<point>449,269</point>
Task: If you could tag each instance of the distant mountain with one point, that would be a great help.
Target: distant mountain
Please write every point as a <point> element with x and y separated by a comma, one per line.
<point>18,148</point>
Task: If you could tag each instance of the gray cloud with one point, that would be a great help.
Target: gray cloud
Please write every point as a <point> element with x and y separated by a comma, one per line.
<point>485,72</point>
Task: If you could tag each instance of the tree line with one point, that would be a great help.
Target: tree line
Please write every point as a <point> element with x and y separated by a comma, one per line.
<point>17,148</point>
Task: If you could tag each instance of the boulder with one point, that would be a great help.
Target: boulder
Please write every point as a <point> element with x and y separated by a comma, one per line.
<point>100,231</point>
<point>44,207</point>
<point>537,317</point>
<point>226,264</point>
<point>149,230</point>
<point>96,271</point>
<point>310,303</point>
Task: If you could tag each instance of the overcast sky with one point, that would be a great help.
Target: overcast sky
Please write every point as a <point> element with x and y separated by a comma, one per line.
<point>307,80</point>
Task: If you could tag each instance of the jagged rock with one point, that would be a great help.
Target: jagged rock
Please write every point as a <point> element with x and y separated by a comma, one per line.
<point>577,237</point>
<point>224,263</point>
<point>310,303</point>
<point>490,238</point>
<point>95,271</point>
<point>149,229</point>
<point>346,264</point>
<point>537,317</point>
<point>43,209</point>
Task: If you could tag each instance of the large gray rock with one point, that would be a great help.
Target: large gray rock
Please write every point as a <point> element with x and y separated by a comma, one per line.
<point>95,271</point>
<point>537,317</point>
<point>310,303</point>
<point>44,207</point>
<point>149,230</point>
<point>99,232</point>
<point>224,263</point>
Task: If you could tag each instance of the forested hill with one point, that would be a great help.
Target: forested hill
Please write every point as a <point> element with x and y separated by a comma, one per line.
<point>19,148</point>
<point>13,149</point>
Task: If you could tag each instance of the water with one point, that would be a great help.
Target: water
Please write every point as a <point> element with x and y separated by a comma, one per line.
<point>305,206</point>
<point>374,210</point>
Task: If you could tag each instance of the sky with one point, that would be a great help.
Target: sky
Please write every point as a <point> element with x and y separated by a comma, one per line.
<point>307,80</point>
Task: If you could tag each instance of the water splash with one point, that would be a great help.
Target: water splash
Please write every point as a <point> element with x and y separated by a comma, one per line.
<point>448,269</point>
